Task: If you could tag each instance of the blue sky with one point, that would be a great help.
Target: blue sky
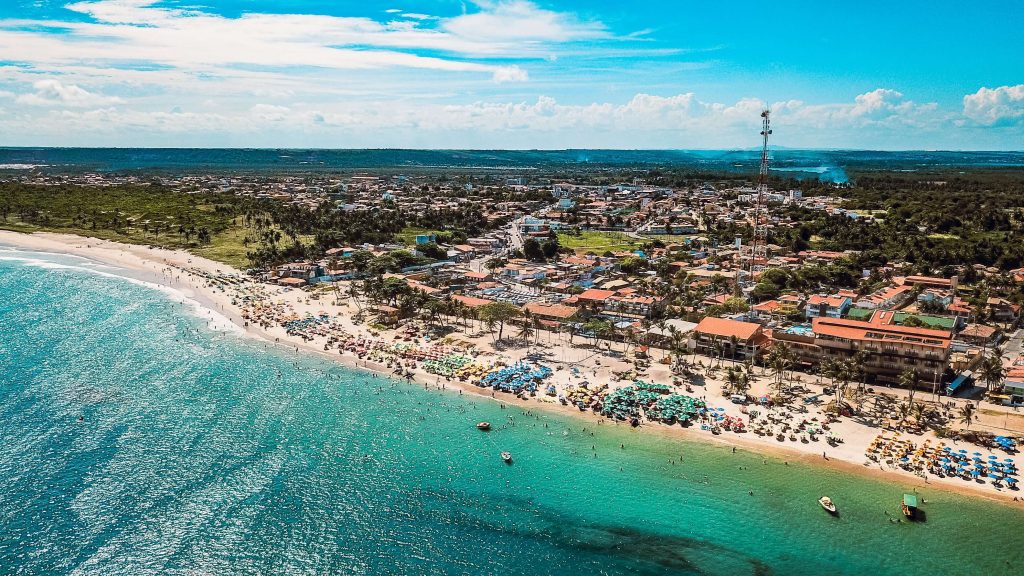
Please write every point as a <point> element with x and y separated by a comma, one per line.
<point>510,73</point>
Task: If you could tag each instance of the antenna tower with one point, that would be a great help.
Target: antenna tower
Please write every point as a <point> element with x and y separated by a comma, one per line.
<point>759,246</point>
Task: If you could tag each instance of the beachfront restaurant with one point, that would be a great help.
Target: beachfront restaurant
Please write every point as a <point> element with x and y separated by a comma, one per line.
<point>739,340</point>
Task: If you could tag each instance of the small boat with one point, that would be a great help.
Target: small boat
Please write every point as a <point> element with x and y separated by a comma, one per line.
<point>827,504</point>
<point>483,426</point>
<point>910,506</point>
<point>507,457</point>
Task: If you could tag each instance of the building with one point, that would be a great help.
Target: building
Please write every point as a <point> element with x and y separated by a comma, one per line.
<point>835,306</point>
<point>886,298</point>
<point>553,312</point>
<point>739,340</point>
<point>890,349</point>
<point>1013,386</point>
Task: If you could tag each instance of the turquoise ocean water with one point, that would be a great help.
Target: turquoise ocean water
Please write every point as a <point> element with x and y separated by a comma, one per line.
<point>202,452</point>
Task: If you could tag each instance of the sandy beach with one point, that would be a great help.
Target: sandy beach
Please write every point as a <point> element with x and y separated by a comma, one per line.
<point>230,306</point>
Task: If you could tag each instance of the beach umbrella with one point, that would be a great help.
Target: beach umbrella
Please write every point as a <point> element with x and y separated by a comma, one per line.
<point>1011,480</point>
<point>962,451</point>
<point>1010,460</point>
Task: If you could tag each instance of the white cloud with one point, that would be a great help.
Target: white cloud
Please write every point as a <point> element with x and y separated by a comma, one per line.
<point>522,21</point>
<point>990,106</point>
<point>54,93</point>
<point>510,74</point>
<point>145,33</point>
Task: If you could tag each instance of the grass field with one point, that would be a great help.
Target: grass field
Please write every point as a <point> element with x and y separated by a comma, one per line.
<point>408,234</point>
<point>599,242</point>
<point>227,247</point>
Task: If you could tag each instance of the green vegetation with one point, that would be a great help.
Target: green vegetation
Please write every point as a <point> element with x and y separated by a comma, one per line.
<point>134,214</point>
<point>586,241</point>
<point>408,234</point>
<point>240,231</point>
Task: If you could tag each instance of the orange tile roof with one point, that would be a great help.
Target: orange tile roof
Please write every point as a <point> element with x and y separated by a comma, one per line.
<point>550,310</point>
<point>878,330</point>
<point>596,295</point>
<point>727,328</point>
<point>471,301</point>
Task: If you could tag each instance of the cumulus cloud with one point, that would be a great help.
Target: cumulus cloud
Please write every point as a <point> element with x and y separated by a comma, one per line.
<point>510,74</point>
<point>54,93</point>
<point>991,106</point>
<point>876,118</point>
<point>197,40</point>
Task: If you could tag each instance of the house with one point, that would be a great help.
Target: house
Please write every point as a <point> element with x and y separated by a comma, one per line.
<point>834,306</point>
<point>595,298</point>
<point>886,298</point>
<point>555,312</point>
<point>944,284</point>
<point>1013,386</point>
<point>1002,310</point>
<point>305,271</point>
<point>767,310</point>
<point>739,340</point>
<point>980,335</point>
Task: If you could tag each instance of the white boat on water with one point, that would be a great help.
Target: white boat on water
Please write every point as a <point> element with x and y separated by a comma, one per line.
<point>507,457</point>
<point>827,504</point>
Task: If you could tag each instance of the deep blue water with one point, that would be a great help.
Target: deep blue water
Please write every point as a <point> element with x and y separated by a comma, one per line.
<point>203,452</point>
<point>827,165</point>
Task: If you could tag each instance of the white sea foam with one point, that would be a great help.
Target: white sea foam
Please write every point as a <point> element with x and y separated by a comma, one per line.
<point>37,259</point>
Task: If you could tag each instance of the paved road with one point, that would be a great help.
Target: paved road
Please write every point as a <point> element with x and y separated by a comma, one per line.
<point>1013,346</point>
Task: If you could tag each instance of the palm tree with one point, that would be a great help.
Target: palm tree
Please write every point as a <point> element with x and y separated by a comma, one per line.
<point>778,365</point>
<point>967,414</point>
<point>858,362</point>
<point>717,349</point>
<point>526,332</point>
<point>919,411</point>
<point>992,371</point>
<point>908,379</point>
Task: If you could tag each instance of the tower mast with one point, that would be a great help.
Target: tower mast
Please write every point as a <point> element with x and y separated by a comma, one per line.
<point>759,245</point>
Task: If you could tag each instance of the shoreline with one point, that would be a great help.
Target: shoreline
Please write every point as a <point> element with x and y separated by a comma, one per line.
<point>168,269</point>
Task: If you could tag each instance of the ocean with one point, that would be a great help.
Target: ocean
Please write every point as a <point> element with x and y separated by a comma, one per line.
<point>137,439</point>
<point>824,165</point>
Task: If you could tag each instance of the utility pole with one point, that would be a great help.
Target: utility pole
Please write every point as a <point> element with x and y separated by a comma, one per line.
<point>759,245</point>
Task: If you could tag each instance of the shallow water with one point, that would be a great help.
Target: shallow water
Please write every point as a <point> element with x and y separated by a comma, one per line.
<point>204,452</point>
